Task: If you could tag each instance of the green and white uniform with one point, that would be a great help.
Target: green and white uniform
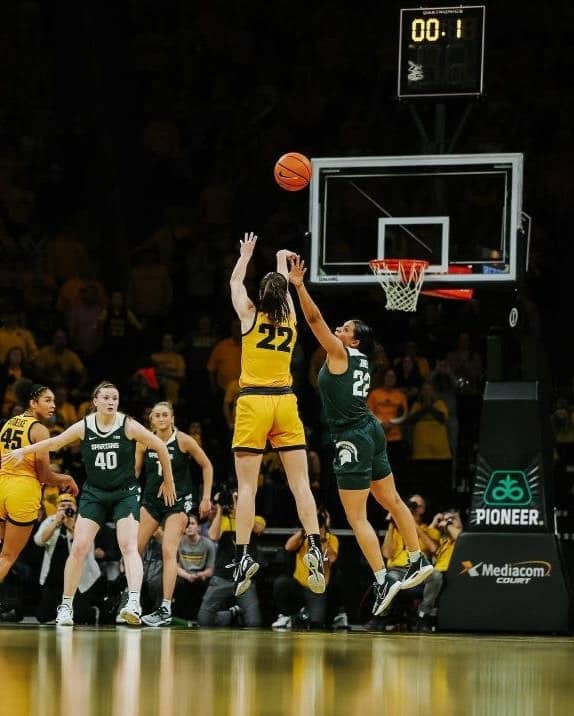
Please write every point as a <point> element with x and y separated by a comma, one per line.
<point>153,479</point>
<point>111,490</point>
<point>358,437</point>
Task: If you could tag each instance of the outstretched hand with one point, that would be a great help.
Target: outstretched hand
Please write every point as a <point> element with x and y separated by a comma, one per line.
<point>297,270</point>
<point>14,456</point>
<point>247,245</point>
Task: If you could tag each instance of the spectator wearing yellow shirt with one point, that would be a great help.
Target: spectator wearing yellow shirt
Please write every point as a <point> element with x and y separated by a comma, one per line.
<point>393,547</point>
<point>291,592</point>
<point>224,362</point>
<point>396,557</point>
<point>431,454</point>
<point>12,370</point>
<point>444,530</point>
<point>14,334</point>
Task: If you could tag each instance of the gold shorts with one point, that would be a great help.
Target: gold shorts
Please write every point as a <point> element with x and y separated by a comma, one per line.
<point>259,418</point>
<point>20,499</point>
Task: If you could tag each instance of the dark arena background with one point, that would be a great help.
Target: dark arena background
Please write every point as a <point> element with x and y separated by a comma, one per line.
<point>138,141</point>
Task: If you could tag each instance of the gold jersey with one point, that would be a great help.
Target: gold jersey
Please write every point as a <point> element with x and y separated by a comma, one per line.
<point>266,351</point>
<point>15,433</point>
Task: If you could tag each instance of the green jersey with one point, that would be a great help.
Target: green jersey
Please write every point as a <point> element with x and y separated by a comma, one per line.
<point>109,457</point>
<point>179,467</point>
<point>344,396</point>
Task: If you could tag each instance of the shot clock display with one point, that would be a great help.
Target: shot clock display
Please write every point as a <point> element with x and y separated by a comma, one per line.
<point>441,51</point>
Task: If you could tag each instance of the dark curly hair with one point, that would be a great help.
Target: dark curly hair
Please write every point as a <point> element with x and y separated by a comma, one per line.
<point>26,390</point>
<point>273,297</point>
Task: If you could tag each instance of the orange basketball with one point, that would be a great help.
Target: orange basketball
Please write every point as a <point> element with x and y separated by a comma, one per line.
<point>293,171</point>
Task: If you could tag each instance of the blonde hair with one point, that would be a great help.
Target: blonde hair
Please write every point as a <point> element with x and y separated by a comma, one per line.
<point>162,404</point>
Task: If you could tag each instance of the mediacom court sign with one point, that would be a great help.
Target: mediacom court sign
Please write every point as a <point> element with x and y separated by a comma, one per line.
<point>501,581</point>
<point>508,572</point>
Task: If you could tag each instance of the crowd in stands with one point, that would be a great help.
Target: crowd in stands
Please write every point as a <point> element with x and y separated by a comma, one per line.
<point>118,237</point>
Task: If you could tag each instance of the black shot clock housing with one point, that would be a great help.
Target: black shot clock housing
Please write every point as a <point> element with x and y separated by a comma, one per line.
<point>441,51</point>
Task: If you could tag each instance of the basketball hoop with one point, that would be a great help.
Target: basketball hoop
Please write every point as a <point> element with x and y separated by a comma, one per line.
<point>401,280</point>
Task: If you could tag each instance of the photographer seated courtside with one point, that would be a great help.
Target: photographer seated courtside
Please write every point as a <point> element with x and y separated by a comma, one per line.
<point>298,606</point>
<point>219,606</point>
<point>444,530</point>
<point>402,611</point>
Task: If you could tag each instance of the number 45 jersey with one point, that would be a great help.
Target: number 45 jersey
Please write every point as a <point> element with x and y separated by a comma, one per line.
<point>109,457</point>
<point>15,433</point>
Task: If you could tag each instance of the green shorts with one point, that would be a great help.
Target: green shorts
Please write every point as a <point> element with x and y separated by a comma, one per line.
<point>360,455</point>
<point>158,509</point>
<point>103,506</point>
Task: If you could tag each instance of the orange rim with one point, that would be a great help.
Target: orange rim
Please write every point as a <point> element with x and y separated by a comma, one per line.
<point>393,264</point>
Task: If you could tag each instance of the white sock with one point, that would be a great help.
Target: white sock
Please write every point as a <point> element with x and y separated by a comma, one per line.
<point>166,604</point>
<point>68,601</point>
<point>134,599</point>
<point>380,575</point>
<point>414,556</point>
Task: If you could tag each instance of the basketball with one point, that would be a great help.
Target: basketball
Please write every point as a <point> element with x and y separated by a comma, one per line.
<point>293,171</point>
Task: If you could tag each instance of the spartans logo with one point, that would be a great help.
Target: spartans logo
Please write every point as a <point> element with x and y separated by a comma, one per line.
<point>346,452</point>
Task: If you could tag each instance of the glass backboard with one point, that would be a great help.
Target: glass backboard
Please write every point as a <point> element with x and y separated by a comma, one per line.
<point>453,210</point>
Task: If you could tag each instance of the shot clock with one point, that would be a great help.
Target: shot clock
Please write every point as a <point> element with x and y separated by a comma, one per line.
<point>441,51</point>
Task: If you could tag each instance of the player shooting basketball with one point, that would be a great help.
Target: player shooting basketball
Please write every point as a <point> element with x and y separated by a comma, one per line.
<point>267,410</point>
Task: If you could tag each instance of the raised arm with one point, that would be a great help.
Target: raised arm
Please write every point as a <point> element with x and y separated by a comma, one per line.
<point>242,304</point>
<point>336,353</point>
<point>282,257</point>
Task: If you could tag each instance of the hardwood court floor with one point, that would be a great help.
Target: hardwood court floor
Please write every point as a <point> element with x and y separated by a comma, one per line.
<point>128,672</point>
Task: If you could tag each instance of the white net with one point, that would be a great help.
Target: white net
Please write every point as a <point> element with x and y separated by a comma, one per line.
<point>401,280</point>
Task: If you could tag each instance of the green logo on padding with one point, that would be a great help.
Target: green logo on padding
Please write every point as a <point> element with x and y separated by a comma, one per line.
<point>507,488</point>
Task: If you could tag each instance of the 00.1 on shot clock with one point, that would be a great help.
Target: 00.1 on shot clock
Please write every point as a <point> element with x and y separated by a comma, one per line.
<point>441,51</point>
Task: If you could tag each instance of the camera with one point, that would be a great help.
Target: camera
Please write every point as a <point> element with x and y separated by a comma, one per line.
<point>70,512</point>
<point>412,505</point>
<point>225,500</point>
